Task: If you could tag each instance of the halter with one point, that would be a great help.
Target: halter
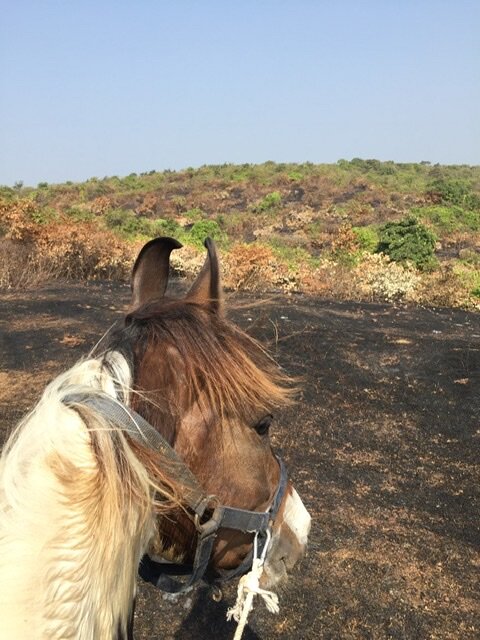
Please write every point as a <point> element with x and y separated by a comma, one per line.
<point>219,516</point>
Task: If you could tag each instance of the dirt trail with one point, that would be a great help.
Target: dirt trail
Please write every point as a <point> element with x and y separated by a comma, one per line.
<point>383,447</point>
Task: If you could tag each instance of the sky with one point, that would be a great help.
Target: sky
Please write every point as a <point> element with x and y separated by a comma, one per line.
<point>102,88</point>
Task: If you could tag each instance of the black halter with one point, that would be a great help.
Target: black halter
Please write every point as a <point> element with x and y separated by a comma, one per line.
<point>255,522</point>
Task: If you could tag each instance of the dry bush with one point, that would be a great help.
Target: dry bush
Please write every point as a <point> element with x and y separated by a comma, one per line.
<point>377,277</point>
<point>374,278</point>
<point>330,279</point>
<point>16,221</point>
<point>187,262</point>
<point>148,206</point>
<point>33,252</point>
<point>21,267</point>
<point>345,240</point>
<point>253,267</point>
<point>443,288</point>
<point>83,251</point>
<point>99,206</point>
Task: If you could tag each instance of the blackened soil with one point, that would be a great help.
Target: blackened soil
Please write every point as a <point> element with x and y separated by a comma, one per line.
<point>383,447</point>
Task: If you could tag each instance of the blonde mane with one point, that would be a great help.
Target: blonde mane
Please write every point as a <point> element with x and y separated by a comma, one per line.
<point>75,514</point>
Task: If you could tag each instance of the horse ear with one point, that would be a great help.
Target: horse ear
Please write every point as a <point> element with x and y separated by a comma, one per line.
<point>150,271</point>
<point>207,288</point>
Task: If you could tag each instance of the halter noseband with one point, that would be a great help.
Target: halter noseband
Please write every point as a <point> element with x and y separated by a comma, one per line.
<point>255,522</point>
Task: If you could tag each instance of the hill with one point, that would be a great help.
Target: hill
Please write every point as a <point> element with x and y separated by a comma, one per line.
<point>359,229</point>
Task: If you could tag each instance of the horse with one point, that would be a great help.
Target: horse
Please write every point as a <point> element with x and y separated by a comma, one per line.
<point>154,446</point>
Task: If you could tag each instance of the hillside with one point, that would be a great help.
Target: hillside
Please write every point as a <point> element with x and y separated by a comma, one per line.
<point>296,227</point>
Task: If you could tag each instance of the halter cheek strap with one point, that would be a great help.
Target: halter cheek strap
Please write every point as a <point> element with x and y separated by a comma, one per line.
<point>223,517</point>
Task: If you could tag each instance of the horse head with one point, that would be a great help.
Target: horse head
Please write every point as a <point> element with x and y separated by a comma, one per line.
<point>211,391</point>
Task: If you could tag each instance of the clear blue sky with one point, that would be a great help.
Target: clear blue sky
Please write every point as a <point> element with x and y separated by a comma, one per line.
<point>95,88</point>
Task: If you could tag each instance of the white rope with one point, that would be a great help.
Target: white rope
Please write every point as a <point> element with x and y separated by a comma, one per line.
<point>248,587</point>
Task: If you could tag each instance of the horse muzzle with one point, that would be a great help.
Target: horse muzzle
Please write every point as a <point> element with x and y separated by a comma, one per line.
<point>289,539</point>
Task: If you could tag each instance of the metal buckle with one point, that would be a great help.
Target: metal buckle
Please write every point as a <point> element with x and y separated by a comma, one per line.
<point>211,501</point>
<point>210,526</point>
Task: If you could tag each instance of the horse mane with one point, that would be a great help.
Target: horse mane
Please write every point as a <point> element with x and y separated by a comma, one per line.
<point>75,503</point>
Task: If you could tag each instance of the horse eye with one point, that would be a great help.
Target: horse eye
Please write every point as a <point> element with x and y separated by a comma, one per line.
<point>263,425</point>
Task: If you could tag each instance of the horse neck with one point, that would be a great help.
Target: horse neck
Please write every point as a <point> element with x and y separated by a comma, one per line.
<point>73,522</point>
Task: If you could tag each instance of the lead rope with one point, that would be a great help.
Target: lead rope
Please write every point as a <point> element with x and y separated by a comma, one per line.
<point>248,587</point>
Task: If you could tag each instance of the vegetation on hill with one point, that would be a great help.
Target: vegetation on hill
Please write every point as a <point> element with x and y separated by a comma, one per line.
<point>361,229</point>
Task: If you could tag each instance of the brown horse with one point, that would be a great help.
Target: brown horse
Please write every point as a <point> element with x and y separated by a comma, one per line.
<point>157,443</point>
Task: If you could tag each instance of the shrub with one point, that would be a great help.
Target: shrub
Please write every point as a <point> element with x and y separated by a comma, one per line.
<point>194,215</point>
<point>80,213</point>
<point>161,227</point>
<point>292,256</point>
<point>17,219</point>
<point>44,215</point>
<point>205,229</point>
<point>408,241</point>
<point>367,238</point>
<point>345,246</point>
<point>100,206</point>
<point>468,275</point>
<point>453,191</point>
<point>254,267</point>
<point>448,219</point>
<point>128,224</point>
<point>469,257</point>
<point>179,202</point>
<point>32,255</point>
<point>444,288</point>
<point>378,277</point>
<point>22,266</point>
<point>270,201</point>
<point>84,251</point>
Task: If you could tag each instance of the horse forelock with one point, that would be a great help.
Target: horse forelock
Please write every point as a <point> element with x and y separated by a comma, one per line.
<point>217,361</point>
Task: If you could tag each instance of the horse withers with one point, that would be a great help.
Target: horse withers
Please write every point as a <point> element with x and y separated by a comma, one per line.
<point>156,444</point>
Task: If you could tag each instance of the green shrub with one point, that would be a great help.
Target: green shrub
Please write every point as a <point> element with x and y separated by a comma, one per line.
<point>7,193</point>
<point>270,201</point>
<point>454,191</point>
<point>408,241</point>
<point>469,275</point>
<point>194,214</point>
<point>367,238</point>
<point>295,176</point>
<point>79,214</point>
<point>205,229</point>
<point>44,215</point>
<point>291,256</point>
<point>447,219</point>
<point>161,227</point>
<point>127,223</point>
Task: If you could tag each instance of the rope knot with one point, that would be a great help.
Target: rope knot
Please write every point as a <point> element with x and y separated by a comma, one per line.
<point>248,587</point>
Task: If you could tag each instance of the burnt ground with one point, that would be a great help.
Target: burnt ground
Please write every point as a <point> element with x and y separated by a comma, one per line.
<point>383,447</point>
